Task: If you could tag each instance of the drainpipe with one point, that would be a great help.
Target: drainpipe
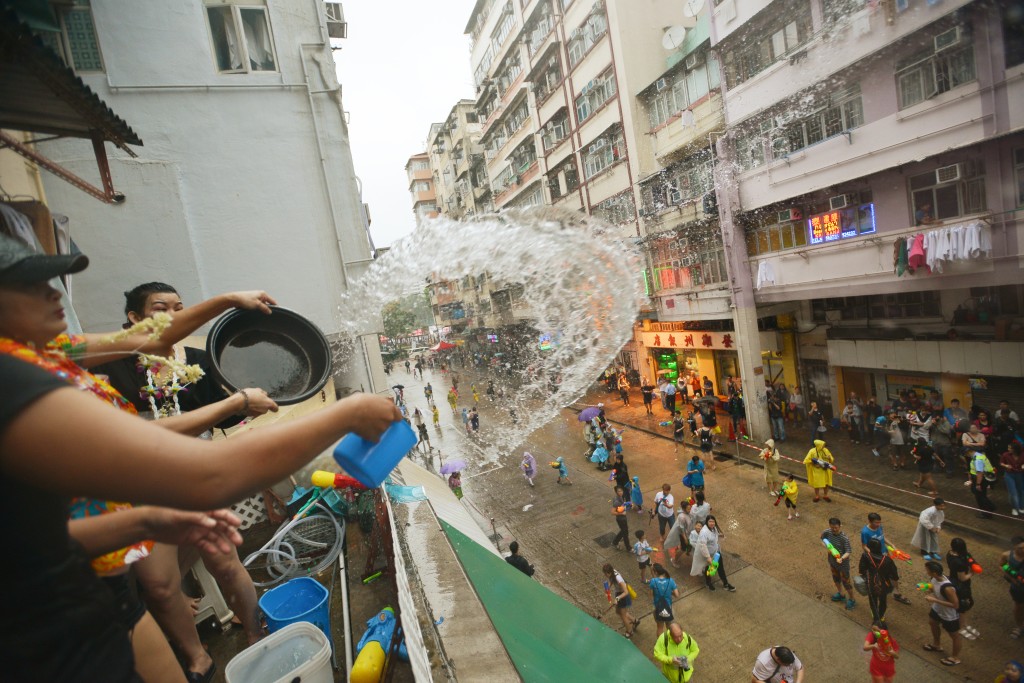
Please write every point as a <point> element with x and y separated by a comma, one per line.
<point>320,151</point>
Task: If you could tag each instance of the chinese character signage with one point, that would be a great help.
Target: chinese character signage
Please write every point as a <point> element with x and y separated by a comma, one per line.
<point>691,340</point>
<point>842,224</point>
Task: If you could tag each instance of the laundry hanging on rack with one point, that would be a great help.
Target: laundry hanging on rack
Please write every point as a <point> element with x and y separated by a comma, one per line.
<point>934,250</point>
<point>765,274</point>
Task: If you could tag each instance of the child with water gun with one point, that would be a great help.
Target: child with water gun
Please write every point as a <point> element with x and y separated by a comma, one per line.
<point>837,543</point>
<point>884,652</point>
<point>642,550</point>
<point>789,490</point>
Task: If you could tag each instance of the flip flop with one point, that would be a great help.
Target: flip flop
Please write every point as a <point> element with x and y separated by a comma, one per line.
<point>932,648</point>
<point>967,634</point>
<point>949,661</point>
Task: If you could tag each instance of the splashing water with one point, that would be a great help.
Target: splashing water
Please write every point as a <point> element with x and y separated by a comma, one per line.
<point>579,286</point>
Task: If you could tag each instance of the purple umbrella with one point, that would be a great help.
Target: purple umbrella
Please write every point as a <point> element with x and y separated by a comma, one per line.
<point>588,414</point>
<point>453,466</point>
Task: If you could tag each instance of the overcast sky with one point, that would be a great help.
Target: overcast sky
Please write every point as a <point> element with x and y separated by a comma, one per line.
<point>403,66</point>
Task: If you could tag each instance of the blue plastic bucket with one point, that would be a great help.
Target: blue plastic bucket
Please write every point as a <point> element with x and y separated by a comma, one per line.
<point>301,599</point>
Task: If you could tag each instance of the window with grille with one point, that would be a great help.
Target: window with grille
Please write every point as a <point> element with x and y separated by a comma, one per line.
<point>76,44</point>
<point>617,210</point>
<point>839,111</point>
<point>756,51</point>
<point>505,25</point>
<point>594,94</point>
<point>603,152</point>
<point>555,130</point>
<point>585,36</point>
<point>928,73</point>
<point>962,196</point>
<point>688,258</point>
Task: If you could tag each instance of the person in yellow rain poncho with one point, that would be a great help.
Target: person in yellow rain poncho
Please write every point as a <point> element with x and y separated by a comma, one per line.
<point>820,478</point>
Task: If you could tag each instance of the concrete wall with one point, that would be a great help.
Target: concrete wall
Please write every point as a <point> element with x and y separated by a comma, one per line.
<point>228,191</point>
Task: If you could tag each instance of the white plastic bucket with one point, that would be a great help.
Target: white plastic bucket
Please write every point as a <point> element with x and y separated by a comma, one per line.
<point>299,650</point>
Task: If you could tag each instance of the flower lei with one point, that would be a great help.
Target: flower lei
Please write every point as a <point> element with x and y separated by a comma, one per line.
<point>56,358</point>
<point>166,377</point>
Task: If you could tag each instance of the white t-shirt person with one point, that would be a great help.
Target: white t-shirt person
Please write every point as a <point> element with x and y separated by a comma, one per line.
<point>768,670</point>
<point>664,503</point>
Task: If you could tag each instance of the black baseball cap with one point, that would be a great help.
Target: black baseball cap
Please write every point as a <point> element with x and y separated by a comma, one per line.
<point>19,264</point>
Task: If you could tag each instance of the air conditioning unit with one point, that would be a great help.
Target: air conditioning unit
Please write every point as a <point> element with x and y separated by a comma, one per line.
<point>673,195</point>
<point>660,84</point>
<point>839,202</point>
<point>553,61</point>
<point>598,144</point>
<point>790,215</point>
<point>337,27</point>
<point>947,174</point>
<point>693,59</point>
<point>948,39</point>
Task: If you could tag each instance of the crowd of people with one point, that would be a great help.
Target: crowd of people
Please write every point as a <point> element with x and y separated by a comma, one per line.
<point>933,435</point>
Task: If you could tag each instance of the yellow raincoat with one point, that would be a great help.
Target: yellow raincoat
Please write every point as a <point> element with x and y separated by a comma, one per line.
<point>817,477</point>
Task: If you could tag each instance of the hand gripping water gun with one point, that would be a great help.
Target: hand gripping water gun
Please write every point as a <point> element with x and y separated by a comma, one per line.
<point>328,480</point>
<point>555,464</point>
<point>831,548</point>
<point>608,592</point>
<point>1012,574</point>
<point>715,561</point>
<point>823,464</point>
<point>779,495</point>
<point>883,641</point>
<point>665,424</point>
<point>975,567</point>
<point>924,586</point>
<point>898,554</point>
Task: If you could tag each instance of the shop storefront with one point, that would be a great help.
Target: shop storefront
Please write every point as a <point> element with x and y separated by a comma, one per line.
<point>709,354</point>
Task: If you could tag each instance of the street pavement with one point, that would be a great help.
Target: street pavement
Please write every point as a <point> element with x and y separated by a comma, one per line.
<point>778,567</point>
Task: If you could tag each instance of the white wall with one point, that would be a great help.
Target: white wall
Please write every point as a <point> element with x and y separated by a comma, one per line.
<point>228,191</point>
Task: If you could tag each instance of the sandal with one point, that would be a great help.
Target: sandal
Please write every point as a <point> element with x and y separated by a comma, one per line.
<point>196,677</point>
<point>949,661</point>
<point>1015,632</point>
<point>967,634</point>
<point>932,648</point>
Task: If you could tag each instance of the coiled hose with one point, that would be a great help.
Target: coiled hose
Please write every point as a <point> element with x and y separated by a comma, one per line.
<point>284,563</point>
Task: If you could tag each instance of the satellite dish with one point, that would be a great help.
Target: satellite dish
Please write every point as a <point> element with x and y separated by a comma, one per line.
<point>673,37</point>
<point>692,8</point>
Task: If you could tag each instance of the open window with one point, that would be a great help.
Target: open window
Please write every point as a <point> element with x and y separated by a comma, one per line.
<point>242,40</point>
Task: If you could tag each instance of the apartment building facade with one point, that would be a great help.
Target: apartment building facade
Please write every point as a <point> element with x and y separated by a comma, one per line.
<point>854,130</point>
<point>422,190</point>
<point>457,163</point>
